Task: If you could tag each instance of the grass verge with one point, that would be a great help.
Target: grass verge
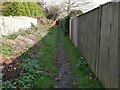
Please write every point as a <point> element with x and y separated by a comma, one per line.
<point>47,78</point>
<point>81,72</point>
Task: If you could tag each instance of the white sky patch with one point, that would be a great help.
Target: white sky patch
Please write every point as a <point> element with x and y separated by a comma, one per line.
<point>54,1</point>
<point>85,8</point>
<point>98,2</point>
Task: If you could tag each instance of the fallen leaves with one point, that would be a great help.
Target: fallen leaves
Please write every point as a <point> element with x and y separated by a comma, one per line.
<point>90,78</point>
<point>57,79</point>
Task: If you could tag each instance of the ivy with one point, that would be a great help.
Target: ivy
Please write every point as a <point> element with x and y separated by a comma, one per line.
<point>29,74</point>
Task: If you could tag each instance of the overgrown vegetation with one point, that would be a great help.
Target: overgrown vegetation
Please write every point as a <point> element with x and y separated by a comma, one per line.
<point>12,36</point>
<point>38,30</point>
<point>48,61</point>
<point>81,72</point>
<point>75,13</point>
<point>22,9</point>
<point>5,49</point>
<point>30,72</point>
<point>53,12</point>
<point>38,70</point>
<point>64,24</point>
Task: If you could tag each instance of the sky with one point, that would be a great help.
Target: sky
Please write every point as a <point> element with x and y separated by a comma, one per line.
<point>98,2</point>
<point>84,8</point>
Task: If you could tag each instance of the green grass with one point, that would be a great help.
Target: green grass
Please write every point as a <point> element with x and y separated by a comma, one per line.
<point>47,78</point>
<point>81,72</point>
<point>45,57</point>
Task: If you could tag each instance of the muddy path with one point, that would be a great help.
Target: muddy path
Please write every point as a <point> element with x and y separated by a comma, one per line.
<point>64,78</point>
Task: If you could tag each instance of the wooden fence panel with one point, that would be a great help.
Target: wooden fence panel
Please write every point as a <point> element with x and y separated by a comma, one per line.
<point>99,41</point>
<point>119,45</point>
<point>108,62</point>
<point>88,36</point>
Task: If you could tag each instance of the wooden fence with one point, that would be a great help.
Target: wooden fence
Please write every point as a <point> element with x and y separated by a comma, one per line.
<point>96,34</point>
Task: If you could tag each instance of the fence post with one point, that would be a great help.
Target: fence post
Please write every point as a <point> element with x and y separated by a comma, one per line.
<point>98,45</point>
<point>118,44</point>
<point>70,29</point>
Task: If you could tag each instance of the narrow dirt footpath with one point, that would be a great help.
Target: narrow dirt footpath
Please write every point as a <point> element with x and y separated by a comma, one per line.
<point>64,77</point>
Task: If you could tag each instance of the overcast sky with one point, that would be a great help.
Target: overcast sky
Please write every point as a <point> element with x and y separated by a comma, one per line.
<point>101,1</point>
<point>85,8</point>
<point>96,1</point>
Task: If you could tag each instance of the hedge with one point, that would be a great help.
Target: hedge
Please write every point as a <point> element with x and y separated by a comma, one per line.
<point>22,9</point>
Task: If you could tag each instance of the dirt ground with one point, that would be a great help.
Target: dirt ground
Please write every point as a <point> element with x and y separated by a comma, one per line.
<point>64,78</point>
<point>10,65</point>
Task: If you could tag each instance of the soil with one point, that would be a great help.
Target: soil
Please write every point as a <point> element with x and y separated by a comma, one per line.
<point>9,65</point>
<point>64,78</point>
<point>12,71</point>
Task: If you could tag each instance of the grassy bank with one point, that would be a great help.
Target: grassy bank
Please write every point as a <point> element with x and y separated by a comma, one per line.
<point>47,78</point>
<point>81,72</point>
<point>38,68</point>
<point>38,31</point>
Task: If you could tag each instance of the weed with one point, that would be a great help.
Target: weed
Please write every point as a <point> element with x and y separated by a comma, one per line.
<point>5,50</point>
<point>30,71</point>
<point>7,85</point>
<point>12,36</point>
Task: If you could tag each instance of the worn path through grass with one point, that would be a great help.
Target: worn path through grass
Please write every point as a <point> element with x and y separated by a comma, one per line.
<point>64,76</point>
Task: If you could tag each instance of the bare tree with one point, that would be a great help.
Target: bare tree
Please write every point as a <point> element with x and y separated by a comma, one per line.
<point>41,3</point>
<point>68,5</point>
<point>53,12</point>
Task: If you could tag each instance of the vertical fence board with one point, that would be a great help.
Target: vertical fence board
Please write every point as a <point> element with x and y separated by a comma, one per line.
<point>119,44</point>
<point>75,28</point>
<point>108,63</point>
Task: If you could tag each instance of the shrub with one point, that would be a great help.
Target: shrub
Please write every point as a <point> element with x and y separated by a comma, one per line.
<point>75,13</point>
<point>12,36</point>
<point>29,74</point>
<point>22,9</point>
<point>7,85</point>
<point>5,50</point>
<point>64,24</point>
